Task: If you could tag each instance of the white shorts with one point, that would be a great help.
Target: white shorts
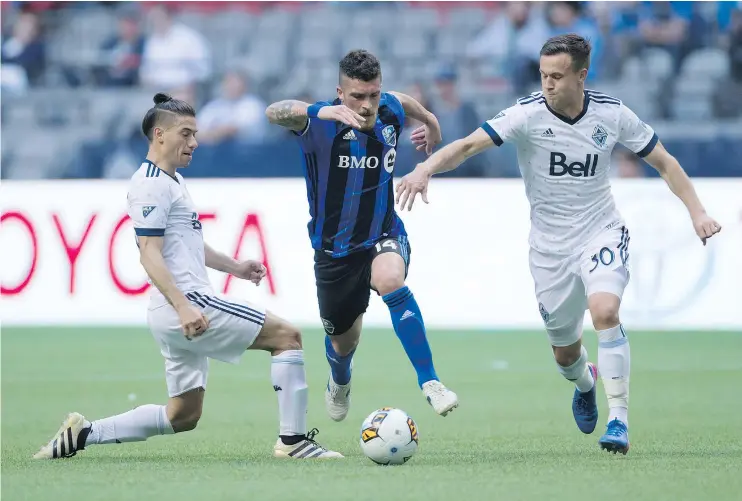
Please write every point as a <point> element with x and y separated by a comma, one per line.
<point>233,326</point>
<point>563,283</point>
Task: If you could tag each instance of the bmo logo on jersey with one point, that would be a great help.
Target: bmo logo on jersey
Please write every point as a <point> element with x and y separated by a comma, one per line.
<point>558,165</point>
<point>347,162</point>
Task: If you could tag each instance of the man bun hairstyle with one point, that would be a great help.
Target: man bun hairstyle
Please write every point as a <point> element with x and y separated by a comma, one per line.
<point>360,65</point>
<point>166,108</point>
<point>576,46</point>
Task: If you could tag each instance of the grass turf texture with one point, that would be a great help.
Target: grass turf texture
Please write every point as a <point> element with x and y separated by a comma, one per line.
<point>512,438</point>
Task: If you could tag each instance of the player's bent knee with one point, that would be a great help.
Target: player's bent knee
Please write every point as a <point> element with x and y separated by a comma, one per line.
<point>184,411</point>
<point>387,273</point>
<point>604,311</point>
<point>567,355</point>
<point>277,335</point>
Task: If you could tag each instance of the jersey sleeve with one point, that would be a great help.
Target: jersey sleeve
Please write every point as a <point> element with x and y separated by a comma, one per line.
<point>311,123</point>
<point>635,134</point>
<point>149,204</point>
<point>508,126</point>
<point>396,107</point>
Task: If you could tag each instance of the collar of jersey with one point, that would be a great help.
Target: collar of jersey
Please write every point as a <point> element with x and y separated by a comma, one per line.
<point>340,127</point>
<point>156,167</point>
<point>571,121</point>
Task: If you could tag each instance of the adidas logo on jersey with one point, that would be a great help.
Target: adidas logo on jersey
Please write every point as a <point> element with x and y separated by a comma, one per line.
<point>548,133</point>
<point>350,136</point>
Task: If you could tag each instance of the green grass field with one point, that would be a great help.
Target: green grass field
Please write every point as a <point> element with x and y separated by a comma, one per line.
<point>513,438</point>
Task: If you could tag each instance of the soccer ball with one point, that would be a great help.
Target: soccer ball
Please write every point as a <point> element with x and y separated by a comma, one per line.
<point>389,436</point>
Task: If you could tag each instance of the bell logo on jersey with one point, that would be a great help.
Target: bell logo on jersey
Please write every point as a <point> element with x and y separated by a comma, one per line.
<point>558,165</point>
<point>347,162</point>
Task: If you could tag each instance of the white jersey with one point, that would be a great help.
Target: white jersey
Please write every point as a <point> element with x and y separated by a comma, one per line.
<point>565,164</point>
<point>159,205</point>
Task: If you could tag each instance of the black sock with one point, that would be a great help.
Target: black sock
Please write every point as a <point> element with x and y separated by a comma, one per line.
<point>292,439</point>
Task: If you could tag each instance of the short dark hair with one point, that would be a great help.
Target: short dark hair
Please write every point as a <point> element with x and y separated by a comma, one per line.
<point>576,46</point>
<point>360,65</point>
<point>165,106</point>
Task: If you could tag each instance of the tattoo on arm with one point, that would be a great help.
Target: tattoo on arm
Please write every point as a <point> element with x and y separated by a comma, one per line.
<point>290,113</point>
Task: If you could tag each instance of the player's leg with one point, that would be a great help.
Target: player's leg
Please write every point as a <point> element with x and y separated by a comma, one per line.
<point>606,275</point>
<point>288,376</point>
<point>343,296</point>
<point>186,373</point>
<point>561,297</point>
<point>390,261</point>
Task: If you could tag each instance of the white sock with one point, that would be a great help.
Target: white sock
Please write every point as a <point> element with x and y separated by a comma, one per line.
<point>135,425</point>
<point>614,361</point>
<point>578,373</point>
<point>290,382</point>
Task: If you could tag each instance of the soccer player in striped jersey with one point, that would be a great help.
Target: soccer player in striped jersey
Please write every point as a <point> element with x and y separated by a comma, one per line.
<point>349,146</point>
<point>579,256</point>
<point>190,322</point>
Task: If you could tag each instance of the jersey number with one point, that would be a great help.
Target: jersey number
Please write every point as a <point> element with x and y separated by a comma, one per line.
<point>605,256</point>
<point>386,243</point>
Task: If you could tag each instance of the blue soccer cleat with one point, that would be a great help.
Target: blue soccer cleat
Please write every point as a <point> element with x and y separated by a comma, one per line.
<point>584,406</point>
<point>616,438</point>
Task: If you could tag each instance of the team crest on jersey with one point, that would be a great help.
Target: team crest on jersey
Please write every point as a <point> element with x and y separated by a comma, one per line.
<point>389,134</point>
<point>544,313</point>
<point>329,328</point>
<point>147,210</point>
<point>600,136</point>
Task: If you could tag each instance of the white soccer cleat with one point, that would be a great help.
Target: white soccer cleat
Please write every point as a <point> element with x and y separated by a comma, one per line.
<point>68,440</point>
<point>337,399</point>
<point>439,397</point>
<point>306,449</point>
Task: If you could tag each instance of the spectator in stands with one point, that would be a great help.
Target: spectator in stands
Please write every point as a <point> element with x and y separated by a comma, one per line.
<point>511,44</point>
<point>237,115</point>
<point>23,54</point>
<point>457,117</point>
<point>122,52</point>
<point>174,54</point>
<point>727,99</point>
<point>665,25</point>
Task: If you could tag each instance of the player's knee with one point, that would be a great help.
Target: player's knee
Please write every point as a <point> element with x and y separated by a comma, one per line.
<point>289,338</point>
<point>567,355</point>
<point>389,282</point>
<point>604,315</point>
<point>185,420</point>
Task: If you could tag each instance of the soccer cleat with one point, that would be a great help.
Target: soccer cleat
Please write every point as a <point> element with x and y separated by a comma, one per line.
<point>584,405</point>
<point>337,399</point>
<point>306,449</point>
<point>616,438</point>
<point>439,397</point>
<point>68,440</point>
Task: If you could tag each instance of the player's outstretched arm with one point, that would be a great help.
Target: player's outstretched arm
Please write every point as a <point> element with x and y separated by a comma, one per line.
<point>193,321</point>
<point>295,115</point>
<point>680,184</point>
<point>447,158</point>
<point>289,113</point>
<point>253,271</point>
<point>427,136</point>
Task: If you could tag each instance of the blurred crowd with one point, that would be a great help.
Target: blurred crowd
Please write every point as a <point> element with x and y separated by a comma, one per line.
<point>475,58</point>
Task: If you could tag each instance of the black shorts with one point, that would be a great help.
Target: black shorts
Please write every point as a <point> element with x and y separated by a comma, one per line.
<point>344,283</point>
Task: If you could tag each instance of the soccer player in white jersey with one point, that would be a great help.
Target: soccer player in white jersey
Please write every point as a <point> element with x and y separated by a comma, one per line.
<point>189,321</point>
<point>579,243</point>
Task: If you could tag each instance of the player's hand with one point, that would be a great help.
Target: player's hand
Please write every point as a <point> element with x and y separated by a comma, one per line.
<point>254,271</point>
<point>705,226</point>
<point>341,113</point>
<point>192,321</point>
<point>410,185</point>
<point>426,137</point>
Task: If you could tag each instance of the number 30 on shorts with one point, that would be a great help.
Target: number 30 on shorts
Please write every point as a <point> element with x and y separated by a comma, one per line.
<point>604,257</point>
